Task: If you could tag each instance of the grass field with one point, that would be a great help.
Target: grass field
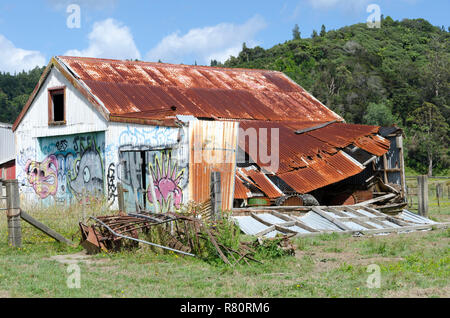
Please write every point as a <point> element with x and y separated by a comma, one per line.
<point>412,265</point>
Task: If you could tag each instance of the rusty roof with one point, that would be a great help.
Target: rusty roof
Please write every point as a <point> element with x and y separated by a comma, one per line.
<point>158,90</point>
<point>313,159</point>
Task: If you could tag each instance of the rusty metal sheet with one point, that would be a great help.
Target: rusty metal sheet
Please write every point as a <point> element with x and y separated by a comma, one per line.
<point>261,181</point>
<point>322,173</point>
<point>240,190</point>
<point>213,146</point>
<point>130,86</point>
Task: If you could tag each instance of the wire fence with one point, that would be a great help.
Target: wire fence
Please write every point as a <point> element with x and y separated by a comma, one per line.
<point>438,192</point>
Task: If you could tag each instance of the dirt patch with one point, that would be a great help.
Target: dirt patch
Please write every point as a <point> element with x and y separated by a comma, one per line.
<point>81,257</point>
<point>4,294</point>
<point>420,293</point>
<point>325,262</point>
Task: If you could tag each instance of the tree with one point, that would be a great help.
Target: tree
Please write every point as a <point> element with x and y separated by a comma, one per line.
<point>296,35</point>
<point>323,31</point>
<point>379,115</point>
<point>314,34</point>
<point>429,134</point>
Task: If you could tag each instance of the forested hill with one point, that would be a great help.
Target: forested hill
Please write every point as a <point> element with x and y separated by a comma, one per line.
<point>14,92</point>
<point>400,65</point>
<point>397,74</point>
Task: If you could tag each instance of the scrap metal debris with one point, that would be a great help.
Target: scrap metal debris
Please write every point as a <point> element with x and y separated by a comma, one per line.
<point>177,233</point>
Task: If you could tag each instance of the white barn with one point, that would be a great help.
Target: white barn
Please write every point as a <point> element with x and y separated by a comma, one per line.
<point>91,123</point>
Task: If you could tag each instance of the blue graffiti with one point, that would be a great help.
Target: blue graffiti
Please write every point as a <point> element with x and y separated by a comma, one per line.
<point>152,137</point>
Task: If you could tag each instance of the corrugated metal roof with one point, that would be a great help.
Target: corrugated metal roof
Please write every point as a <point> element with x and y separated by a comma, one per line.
<point>314,159</point>
<point>154,89</point>
<point>316,220</point>
<point>262,182</point>
<point>240,190</point>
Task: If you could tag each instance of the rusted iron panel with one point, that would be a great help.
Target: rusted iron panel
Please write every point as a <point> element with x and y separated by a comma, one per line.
<point>213,147</point>
<point>240,190</point>
<point>128,86</point>
<point>263,183</point>
<point>321,173</point>
<point>376,145</point>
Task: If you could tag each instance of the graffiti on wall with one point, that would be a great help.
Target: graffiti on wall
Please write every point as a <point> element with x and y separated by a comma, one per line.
<point>88,175</point>
<point>149,137</point>
<point>167,178</point>
<point>43,176</point>
<point>111,183</point>
<point>72,165</point>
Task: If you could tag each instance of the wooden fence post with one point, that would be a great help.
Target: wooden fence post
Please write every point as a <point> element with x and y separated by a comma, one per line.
<point>423,195</point>
<point>439,193</point>
<point>120,196</point>
<point>216,195</point>
<point>13,213</point>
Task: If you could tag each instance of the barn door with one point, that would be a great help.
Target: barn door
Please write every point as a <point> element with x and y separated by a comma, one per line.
<point>133,179</point>
<point>163,169</point>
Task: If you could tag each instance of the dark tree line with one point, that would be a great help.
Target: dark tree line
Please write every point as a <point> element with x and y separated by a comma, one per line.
<point>14,92</point>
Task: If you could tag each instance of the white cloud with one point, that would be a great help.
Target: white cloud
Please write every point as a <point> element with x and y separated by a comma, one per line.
<point>217,42</point>
<point>109,39</point>
<point>344,4</point>
<point>13,59</point>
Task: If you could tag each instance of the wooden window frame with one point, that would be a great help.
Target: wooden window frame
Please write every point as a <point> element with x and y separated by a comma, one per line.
<point>56,91</point>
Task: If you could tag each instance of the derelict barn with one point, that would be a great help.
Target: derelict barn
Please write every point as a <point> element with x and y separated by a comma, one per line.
<point>151,134</point>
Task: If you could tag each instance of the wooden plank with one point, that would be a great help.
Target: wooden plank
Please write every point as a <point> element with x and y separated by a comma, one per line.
<point>386,230</point>
<point>331,219</point>
<point>213,241</point>
<point>297,222</point>
<point>266,231</point>
<point>282,216</point>
<point>379,199</point>
<point>337,212</point>
<point>363,224</point>
<point>363,219</point>
<point>305,227</point>
<point>257,218</point>
<point>353,211</point>
<point>58,237</point>
<point>373,211</point>
<point>282,229</point>
<point>385,167</point>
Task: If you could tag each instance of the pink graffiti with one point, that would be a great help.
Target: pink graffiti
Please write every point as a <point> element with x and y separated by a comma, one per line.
<point>166,181</point>
<point>43,176</point>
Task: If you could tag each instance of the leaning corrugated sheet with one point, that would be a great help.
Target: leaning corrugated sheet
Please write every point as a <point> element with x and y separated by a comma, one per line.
<point>213,146</point>
<point>318,220</point>
<point>314,159</point>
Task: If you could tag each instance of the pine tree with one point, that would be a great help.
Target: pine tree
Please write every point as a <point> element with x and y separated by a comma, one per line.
<point>323,31</point>
<point>314,34</point>
<point>296,35</point>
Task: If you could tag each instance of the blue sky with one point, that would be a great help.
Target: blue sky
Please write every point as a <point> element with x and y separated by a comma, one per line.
<point>177,31</point>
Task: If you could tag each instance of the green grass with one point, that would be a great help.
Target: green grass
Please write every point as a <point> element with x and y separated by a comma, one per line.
<point>329,265</point>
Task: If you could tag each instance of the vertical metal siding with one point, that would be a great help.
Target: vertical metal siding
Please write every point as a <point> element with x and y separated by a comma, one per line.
<point>7,146</point>
<point>213,147</point>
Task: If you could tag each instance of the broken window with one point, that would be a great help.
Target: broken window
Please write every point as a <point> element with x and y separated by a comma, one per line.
<point>56,106</point>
